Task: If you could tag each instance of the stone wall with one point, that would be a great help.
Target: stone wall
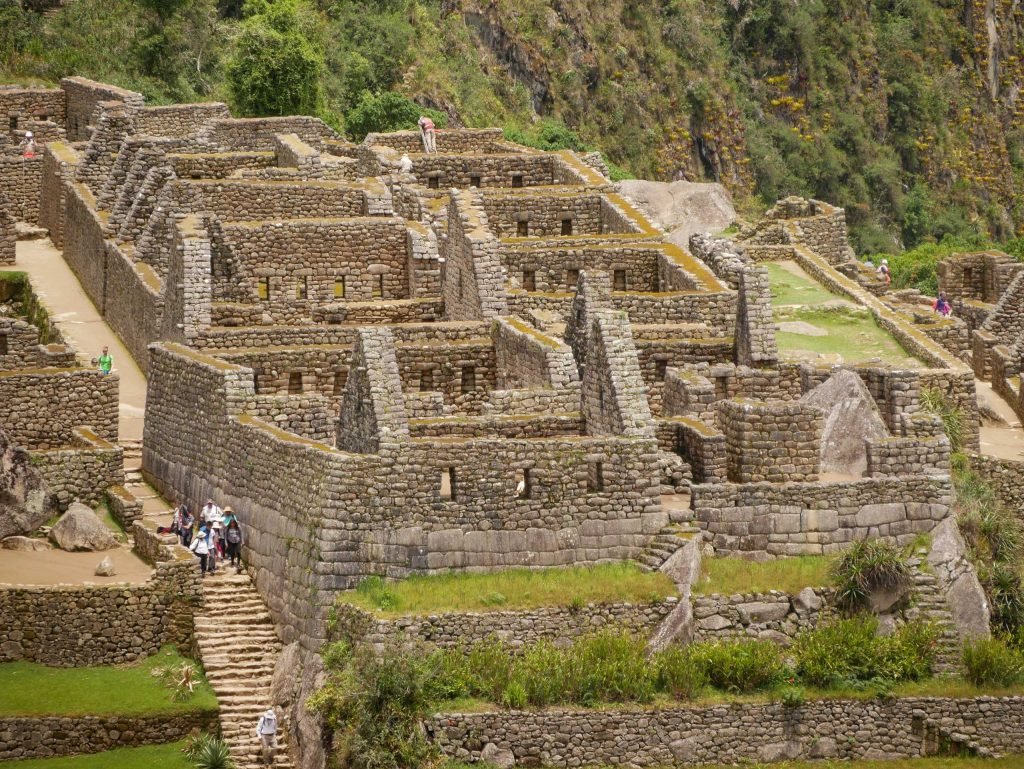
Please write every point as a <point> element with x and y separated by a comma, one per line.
<point>67,626</point>
<point>258,133</point>
<point>755,329</point>
<point>773,616</point>
<point>448,140</point>
<point>84,96</point>
<point>23,737</point>
<point>515,628</point>
<point>443,171</point>
<point>178,120</point>
<point>20,185</point>
<point>58,172</point>
<point>83,471</point>
<point>771,441</point>
<point>41,408</point>
<point>1006,477</point>
<point>736,733</point>
<point>25,104</point>
<point>900,457</point>
<point>811,519</point>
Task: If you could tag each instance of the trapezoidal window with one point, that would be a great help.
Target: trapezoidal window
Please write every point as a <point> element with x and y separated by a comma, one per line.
<point>340,379</point>
<point>448,483</point>
<point>529,280</point>
<point>295,383</point>
<point>522,228</point>
<point>468,380</point>
<point>572,277</point>
<point>460,284</point>
<point>3,344</point>
<point>567,227</point>
<point>339,288</point>
<point>14,122</point>
<point>301,287</point>
<point>595,476</point>
<point>378,287</point>
<point>263,289</point>
<point>474,181</point>
<point>660,369</point>
<point>517,180</point>
<point>433,182</point>
<point>426,380</point>
<point>968,276</point>
<point>524,484</point>
<point>619,280</point>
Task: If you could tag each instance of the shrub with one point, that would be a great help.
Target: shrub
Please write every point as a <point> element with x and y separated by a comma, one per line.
<point>935,402</point>
<point>837,652</point>
<point>213,754</point>
<point>793,697</point>
<point>909,653</point>
<point>514,696</point>
<point>680,674</point>
<point>542,670</point>
<point>741,665</point>
<point>610,667</point>
<point>387,111</point>
<point>377,591</point>
<point>868,566</point>
<point>991,662</point>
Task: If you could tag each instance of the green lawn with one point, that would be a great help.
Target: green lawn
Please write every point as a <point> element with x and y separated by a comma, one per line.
<point>729,576</point>
<point>167,756</point>
<point>511,589</point>
<point>29,689</point>
<point>850,332</point>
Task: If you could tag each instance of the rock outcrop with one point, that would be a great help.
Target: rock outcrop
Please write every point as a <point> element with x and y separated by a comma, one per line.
<point>25,501</point>
<point>851,419</point>
<point>682,209</point>
<point>80,529</point>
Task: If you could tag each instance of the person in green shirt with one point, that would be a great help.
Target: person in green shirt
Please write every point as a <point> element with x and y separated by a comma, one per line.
<point>105,361</point>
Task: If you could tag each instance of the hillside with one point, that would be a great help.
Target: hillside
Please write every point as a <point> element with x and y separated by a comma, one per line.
<point>905,112</point>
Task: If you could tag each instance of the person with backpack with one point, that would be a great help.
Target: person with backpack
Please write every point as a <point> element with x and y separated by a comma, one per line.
<point>233,537</point>
<point>201,547</point>
<point>266,730</point>
<point>185,524</point>
<point>883,272</point>
<point>427,134</point>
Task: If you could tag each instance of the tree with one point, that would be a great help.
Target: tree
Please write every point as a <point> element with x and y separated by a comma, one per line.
<point>387,111</point>
<point>277,65</point>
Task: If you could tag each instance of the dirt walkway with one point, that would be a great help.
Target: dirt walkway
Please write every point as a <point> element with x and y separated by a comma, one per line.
<point>55,567</point>
<point>83,328</point>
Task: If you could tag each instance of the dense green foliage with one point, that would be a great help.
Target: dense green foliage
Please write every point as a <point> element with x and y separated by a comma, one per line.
<point>995,542</point>
<point>992,662</point>
<point>867,566</point>
<point>884,108</point>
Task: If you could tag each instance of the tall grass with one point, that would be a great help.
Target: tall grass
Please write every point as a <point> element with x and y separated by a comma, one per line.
<point>729,576</point>
<point>511,589</point>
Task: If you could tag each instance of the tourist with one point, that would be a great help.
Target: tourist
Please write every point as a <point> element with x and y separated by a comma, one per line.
<point>229,515</point>
<point>233,537</point>
<point>201,547</point>
<point>266,730</point>
<point>941,305</point>
<point>185,524</point>
<point>217,537</point>
<point>105,362</point>
<point>427,134</point>
<point>405,164</point>
<point>883,271</point>
<point>211,511</point>
<point>28,147</point>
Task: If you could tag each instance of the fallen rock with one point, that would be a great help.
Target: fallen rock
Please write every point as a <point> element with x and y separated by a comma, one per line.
<point>106,568</point>
<point>492,754</point>
<point>964,594</point>
<point>682,209</point>
<point>26,544</point>
<point>806,601</point>
<point>25,501</point>
<point>801,327</point>
<point>760,612</point>
<point>80,529</point>
<point>851,419</point>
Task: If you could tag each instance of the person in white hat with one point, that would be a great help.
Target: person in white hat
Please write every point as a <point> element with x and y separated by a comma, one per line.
<point>266,730</point>
<point>883,271</point>
<point>29,147</point>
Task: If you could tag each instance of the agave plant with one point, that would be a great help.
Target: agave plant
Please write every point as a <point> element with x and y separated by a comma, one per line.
<point>208,752</point>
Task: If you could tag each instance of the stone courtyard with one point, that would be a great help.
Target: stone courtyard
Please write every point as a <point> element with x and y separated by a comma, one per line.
<point>493,360</point>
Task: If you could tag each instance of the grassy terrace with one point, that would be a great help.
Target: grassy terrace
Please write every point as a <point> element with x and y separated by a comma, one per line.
<point>167,756</point>
<point>843,328</point>
<point>729,576</point>
<point>510,589</point>
<point>29,689</point>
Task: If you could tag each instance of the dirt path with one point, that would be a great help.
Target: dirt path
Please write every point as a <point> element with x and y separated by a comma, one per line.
<point>55,567</point>
<point>999,441</point>
<point>83,327</point>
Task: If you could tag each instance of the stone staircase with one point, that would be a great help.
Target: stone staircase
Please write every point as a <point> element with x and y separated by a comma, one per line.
<point>929,604</point>
<point>239,647</point>
<point>670,538</point>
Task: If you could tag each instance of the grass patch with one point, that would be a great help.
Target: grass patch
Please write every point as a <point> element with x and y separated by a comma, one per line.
<point>789,290</point>
<point>511,589</point>
<point>1006,762</point>
<point>167,756</point>
<point>729,576</point>
<point>30,689</point>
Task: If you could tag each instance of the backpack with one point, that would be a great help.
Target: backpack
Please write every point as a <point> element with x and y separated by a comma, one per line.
<point>268,724</point>
<point>199,546</point>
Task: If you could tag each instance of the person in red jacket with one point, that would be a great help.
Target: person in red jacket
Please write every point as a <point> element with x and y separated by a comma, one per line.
<point>427,134</point>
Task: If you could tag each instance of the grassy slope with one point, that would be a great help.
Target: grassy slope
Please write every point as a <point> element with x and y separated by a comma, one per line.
<point>852,332</point>
<point>167,756</point>
<point>513,589</point>
<point>31,689</point>
<point>730,576</point>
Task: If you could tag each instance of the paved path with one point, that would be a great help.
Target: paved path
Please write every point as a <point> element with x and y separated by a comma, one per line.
<point>83,328</point>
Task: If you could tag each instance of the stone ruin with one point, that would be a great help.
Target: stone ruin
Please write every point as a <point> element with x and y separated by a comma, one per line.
<point>493,360</point>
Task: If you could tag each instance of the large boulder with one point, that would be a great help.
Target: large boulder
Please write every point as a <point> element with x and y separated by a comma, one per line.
<point>25,501</point>
<point>25,544</point>
<point>80,529</point>
<point>682,209</point>
<point>851,419</point>
<point>964,594</point>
